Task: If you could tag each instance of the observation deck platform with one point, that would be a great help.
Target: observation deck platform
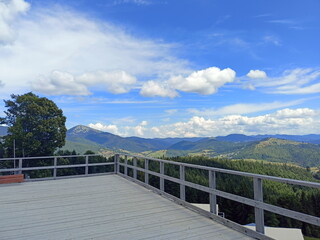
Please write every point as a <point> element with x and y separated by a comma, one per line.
<point>99,207</point>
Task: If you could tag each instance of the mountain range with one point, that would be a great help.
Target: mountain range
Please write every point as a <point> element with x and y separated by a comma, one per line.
<point>303,150</point>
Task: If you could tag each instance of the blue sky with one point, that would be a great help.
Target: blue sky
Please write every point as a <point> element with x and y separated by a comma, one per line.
<point>168,68</point>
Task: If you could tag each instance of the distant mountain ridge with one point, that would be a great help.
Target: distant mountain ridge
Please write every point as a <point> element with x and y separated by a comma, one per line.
<point>86,135</point>
<point>279,148</point>
<point>303,150</point>
<point>310,138</point>
<point>3,130</point>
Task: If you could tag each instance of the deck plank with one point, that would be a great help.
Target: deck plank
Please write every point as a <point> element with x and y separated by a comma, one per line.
<point>101,207</point>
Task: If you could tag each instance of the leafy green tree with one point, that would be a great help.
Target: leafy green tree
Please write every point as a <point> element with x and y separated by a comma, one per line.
<point>36,126</point>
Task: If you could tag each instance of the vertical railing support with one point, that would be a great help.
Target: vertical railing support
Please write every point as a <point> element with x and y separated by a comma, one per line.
<point>182,186</point>
<point>55,161</point>
<point>258,212</point>
<point>135,170</point>
<point>87,166</point>
<point>126,165</point>
<point>213,197</point>
<point>20,166</point>
<point>117,165</point>
<point>161,178</point>
<point>146,167</point>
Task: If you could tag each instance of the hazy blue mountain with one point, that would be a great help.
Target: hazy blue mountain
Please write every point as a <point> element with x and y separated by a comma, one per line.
<point>310,138</point>
<point>172,141</point>
<point>211,146</point>
<point>3,130</point>
<point>86,135</point>
<point>236,138</point>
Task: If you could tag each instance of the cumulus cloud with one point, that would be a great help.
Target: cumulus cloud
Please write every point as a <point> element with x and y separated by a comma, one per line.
<point>161,89</point>
<point>115,82</point>
<point>138,130</point>
<point>256,74</point>
<point>204,82</point>
<point>63,83</point>
<point>105,128</point>
<point>284,121</point>
<point>60,83</point>
<point>9,11</point>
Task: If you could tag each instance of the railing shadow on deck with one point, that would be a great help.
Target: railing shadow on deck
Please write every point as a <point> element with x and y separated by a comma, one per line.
<point>128,166</point>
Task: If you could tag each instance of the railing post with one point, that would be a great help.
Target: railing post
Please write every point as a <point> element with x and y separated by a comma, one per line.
<point>117,161</point>
<point>161,178</point>
<point>146,167</point>
<point>213,197</point>
<point>20,166</point>
<point>258,212</point>
<point>182,186</point>
<point>87,166</point>
<point>126,165</point>
<point>135,170</point>
<point>55,167</point>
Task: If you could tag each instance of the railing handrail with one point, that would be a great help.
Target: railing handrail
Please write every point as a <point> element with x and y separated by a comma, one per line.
<point>234,172</point>
<point>48,157</point>
<point>55,166</point>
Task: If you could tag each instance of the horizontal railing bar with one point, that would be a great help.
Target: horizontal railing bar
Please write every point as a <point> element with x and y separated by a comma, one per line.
<point>233,172</point>
<point>48,157</point>
<point>57,167</point>
<point>279,210</point>
<point>69,176</point>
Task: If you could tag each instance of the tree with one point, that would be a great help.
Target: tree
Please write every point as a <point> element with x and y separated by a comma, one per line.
<point>36,126</point>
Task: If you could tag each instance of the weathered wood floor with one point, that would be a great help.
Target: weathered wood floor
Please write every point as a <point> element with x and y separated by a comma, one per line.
<point>104,207</point>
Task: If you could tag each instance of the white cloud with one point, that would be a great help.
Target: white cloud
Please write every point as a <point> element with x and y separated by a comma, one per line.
<point>286,121</point>
<point>115,82</point>
<point>60,83</point>
<point>296,113</point>
<point>46,41</point>
<point>205,81</point>
<point>256,74</point>
<point>144,123</point>
<point>246,108</point>
<point>138,130</point>
<point>295,81</point>
<point>105,128</point>
<point>161,89</point>
<point>9,12</point>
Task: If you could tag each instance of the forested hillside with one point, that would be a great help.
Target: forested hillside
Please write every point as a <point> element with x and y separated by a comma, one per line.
<point>278,150</point>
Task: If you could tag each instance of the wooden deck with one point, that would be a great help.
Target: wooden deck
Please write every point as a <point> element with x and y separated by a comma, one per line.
<point>103,207</point>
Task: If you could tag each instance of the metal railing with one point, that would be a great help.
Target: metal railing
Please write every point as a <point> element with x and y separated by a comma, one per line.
<point>257,202</point>
<point>22,165</point>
